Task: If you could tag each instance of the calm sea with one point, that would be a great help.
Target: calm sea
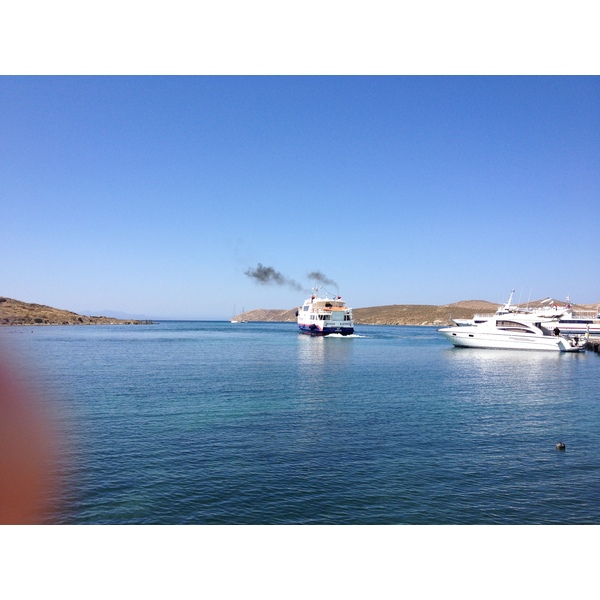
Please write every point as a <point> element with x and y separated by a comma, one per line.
<point>253,423</point>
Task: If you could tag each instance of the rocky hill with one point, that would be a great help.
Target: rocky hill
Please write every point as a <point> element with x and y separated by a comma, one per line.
<point>395,314</point>
<point>420,314</point>
<point>15,312</point>
<point>401,314</point>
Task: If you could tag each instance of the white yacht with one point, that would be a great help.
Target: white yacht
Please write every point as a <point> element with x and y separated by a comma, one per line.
<point>508,308</point>
<point>567,319</point>
<point>514,333</point>
<point>578,322</point>
<point>324,316</point>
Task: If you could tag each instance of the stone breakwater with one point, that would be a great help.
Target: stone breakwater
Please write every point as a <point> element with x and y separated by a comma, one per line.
<point>593,345</point>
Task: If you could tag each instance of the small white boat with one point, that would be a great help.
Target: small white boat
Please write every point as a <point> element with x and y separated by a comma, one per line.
<point>235,320</point>
<point>514,333</point>
<point>324,316</point>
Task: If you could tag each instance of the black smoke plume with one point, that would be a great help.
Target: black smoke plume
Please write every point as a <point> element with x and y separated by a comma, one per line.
<point>321,278</point>
<point>269,276</point>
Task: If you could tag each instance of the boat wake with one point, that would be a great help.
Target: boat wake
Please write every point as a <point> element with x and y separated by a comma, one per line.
<point>341,335</point>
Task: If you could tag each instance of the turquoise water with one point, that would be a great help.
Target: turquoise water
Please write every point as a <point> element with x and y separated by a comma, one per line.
<point>216,423</point>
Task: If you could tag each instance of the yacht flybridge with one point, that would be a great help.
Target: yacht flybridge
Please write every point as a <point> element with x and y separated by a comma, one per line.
<point>325,316</point>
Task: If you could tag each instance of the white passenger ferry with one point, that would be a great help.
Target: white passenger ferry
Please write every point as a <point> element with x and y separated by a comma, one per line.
<point>324,316</point>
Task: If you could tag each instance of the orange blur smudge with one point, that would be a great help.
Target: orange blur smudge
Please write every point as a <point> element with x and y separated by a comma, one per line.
<point>27,455</point>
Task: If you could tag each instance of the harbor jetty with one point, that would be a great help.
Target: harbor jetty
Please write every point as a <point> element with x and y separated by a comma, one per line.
<point>593,345</point>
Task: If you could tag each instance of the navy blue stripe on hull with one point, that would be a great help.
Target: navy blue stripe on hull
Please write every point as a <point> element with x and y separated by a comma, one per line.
<point>313,330</point>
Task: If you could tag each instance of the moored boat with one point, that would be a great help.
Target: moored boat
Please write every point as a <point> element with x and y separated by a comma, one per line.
<point>508,308</point>
<point>514,333</point>
<point>579,322</point>
<point>325,316</point>
<point>568,320</point>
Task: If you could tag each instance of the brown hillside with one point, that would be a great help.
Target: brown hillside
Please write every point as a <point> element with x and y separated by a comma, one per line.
<point>268,315</point>
<point>476,305</point>
<point>403,314</point>
<point>419,314</point>
<point>15,312</point>
<point>395,314</point>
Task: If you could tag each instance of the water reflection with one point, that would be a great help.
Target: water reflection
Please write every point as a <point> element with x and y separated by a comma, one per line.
<point>509,376</point>
<point>319,350</point>
<point>323,364</point>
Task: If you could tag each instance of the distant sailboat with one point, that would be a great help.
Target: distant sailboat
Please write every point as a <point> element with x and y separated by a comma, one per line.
<point>233,319</point>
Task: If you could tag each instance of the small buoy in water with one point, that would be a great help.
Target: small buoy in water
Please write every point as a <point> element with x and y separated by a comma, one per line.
<point>560,446</point>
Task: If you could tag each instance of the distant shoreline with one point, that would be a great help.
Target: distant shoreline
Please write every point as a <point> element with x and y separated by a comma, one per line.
<point>398,314</point>
<point>14,312</point>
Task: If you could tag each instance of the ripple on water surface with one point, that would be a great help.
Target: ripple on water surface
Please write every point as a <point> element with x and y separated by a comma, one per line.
<point>215,423</point>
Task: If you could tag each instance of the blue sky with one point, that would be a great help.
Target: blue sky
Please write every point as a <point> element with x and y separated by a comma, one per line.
<point>154,195</point>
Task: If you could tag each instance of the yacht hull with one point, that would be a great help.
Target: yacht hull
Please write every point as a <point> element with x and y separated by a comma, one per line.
<point>462,337</point>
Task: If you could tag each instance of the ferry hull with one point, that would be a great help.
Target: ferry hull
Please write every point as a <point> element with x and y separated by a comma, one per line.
<point>315,330</point>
